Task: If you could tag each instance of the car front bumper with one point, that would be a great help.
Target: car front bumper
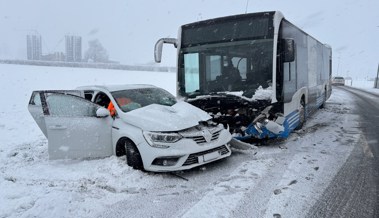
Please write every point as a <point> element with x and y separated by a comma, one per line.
<point>185,154</point>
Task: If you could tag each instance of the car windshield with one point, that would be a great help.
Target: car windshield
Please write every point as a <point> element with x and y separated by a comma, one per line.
<point>132,99</point>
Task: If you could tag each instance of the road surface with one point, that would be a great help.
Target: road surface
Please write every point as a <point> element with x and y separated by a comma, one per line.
<point>327,169</point>
<point>354,191</point>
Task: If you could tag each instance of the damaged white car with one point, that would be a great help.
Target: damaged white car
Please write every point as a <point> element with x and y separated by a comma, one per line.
<point>149,126</point>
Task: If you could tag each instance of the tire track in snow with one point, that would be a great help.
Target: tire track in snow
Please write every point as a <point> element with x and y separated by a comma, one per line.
<point>228,191</point>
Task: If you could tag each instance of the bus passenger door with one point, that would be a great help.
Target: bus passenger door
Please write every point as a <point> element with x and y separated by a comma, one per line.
<point>290,83</point>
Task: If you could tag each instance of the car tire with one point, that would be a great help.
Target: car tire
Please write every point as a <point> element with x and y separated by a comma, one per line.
<point>301,114</point>
<point>133,157</point>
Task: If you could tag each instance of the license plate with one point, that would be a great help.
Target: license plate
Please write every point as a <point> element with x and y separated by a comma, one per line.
<point>211,156</point>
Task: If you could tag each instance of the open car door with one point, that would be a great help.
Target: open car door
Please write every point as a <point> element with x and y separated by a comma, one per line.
<point>75,127</point>
<point>35,106</point>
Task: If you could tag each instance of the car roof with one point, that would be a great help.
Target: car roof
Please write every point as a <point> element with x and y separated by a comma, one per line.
<point>112,88</point>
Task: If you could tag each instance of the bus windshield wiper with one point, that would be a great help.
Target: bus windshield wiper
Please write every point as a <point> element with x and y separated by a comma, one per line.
<point>194,94</point>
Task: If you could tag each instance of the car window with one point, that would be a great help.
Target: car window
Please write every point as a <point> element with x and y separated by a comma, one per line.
<point>88,95</point>
<point>102,99</point>
<point>35,99</point>
<point>132,99</point>
<point>68,105</point>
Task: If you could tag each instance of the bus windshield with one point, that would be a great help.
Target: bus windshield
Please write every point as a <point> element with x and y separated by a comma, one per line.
<point>226,67</point>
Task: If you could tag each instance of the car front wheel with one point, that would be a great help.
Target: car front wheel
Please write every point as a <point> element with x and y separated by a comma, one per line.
<point>133,157</point>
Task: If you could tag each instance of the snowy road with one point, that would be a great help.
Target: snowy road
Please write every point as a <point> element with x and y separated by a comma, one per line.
<point>284,179</point>
<point>354,192</point>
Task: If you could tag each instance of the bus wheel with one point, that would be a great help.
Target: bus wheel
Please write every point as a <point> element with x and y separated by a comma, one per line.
<point>301,114</point>
<point>323,103</point>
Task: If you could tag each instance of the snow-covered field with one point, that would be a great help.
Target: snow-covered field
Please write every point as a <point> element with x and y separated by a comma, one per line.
<point>361,83</point>
<point>30,184</point>
<point>283,178</point>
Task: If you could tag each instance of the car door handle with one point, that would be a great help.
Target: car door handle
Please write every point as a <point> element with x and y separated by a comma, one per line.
<point>58,127</point>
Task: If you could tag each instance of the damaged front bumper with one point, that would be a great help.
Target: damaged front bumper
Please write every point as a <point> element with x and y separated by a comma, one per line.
<point>268,129</point>
<point>277,127</point>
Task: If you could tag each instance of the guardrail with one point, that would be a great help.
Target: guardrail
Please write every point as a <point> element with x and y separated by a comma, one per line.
<point>113,66</point>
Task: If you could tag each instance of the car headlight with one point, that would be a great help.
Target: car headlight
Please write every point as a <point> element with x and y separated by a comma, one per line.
<point>156,137</point>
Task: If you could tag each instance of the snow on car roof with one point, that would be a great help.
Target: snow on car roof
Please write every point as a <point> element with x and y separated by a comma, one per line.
<point>112,88</point>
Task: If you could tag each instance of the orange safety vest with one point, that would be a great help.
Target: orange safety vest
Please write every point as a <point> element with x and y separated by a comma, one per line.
<point>111,109</point>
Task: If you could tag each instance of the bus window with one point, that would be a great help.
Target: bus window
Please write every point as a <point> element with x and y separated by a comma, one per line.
<point>191,72</point>
<point>289,70</point>
<point>213,67</point>
<point>240,64</point>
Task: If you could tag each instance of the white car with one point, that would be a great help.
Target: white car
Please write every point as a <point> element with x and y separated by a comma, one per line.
<point>150,127</point>
<point>338,81</point>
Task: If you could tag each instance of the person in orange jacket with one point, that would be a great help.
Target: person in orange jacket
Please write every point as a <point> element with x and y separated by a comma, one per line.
<point>111,109</point>
<point>121,101</point>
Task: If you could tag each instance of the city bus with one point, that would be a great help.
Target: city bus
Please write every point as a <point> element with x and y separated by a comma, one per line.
<point>257,73</point>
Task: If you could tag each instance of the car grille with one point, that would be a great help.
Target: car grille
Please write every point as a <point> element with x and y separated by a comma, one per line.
<point>201,139</point>
<point>193,158</point>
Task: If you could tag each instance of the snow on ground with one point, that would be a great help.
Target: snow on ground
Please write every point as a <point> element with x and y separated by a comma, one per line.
<point>319,150</point>
<point>366,85</point>
<point>29,182</point>
<point>18,82</point>
<point>360,83</point>
<point>284,178</point>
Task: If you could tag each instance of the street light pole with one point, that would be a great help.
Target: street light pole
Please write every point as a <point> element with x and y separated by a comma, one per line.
<point>377,79</point>
<point>338,66</point>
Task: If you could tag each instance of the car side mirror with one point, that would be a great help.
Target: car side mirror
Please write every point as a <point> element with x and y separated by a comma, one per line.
<point>288,50</point>
<point>102,112</point>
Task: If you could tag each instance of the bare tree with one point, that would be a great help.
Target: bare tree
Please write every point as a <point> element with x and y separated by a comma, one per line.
<point>96,52</point>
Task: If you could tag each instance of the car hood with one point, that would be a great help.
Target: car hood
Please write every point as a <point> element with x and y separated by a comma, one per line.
<point>162,118</point>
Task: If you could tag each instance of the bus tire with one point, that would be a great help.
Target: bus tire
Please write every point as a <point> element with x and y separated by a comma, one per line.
<point>301,114</point>
<point>323,103</point>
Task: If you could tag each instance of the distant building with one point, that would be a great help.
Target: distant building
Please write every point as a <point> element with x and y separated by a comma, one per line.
<point>56,56</point>
<point>73,48</point>
<point>33,47</point>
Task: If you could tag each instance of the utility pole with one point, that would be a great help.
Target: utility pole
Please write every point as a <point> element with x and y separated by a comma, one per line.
<point>338,66</point>
<point>377,79</point>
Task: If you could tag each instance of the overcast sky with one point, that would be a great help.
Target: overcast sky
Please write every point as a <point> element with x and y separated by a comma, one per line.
<point>129,29</point>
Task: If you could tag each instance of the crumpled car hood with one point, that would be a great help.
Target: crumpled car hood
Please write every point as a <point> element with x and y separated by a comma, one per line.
<point>161,118</point>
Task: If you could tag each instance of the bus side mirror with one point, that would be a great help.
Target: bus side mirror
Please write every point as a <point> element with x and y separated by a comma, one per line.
<point>288,50</point>
<point>159,46</point>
